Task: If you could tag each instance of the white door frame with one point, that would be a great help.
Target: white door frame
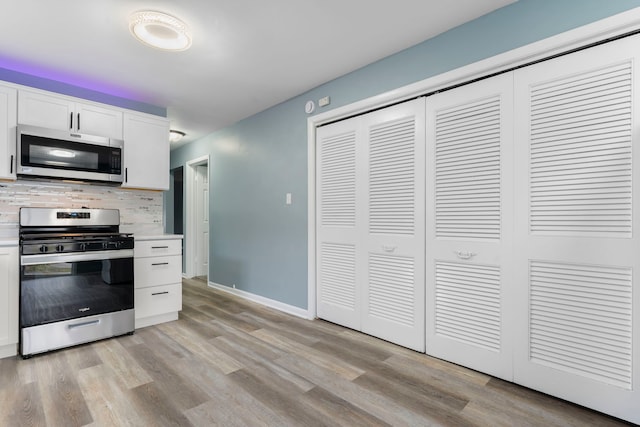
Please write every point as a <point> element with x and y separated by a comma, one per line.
<point>563,42</point>
<point>190,246</point>
<point>202,216</point>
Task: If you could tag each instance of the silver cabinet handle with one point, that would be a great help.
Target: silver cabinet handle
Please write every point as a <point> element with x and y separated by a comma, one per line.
<point>465,254</point>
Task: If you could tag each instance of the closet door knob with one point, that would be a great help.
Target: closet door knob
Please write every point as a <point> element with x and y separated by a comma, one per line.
<point>465,254</point>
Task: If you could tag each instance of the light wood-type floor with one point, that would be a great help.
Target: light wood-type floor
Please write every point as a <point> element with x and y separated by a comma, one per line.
<point>229,362</point>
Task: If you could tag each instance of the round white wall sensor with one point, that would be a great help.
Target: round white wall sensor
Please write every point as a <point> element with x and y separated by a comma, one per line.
<point>309,107</point>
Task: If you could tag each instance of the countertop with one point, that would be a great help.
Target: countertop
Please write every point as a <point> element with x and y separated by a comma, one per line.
<point>9,241</point>
<point>157,237</point>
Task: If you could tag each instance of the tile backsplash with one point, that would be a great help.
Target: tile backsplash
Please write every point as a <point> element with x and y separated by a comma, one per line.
<point>141,212</point>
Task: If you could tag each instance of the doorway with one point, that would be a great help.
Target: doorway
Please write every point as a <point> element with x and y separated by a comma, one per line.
<point>177,223</point>
<point>197,218</point>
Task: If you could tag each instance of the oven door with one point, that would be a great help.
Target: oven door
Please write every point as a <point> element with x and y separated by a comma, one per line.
<point>57,287</point>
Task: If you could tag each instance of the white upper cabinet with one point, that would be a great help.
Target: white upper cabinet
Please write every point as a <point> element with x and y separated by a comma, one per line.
<point>8,97</point>
<point>96,120</point>
<point>146,152</point>
<point>66,113</point>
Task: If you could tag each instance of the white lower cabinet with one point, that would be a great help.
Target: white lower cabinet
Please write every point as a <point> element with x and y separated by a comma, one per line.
<point>8,301</point>
<point>158,300</point>
<point>158,279</point>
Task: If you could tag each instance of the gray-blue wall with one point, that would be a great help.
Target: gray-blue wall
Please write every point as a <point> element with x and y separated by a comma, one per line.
<point>260,244</point>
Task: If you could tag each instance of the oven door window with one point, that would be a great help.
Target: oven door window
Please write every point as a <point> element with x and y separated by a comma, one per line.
<point>67,290</point>
<point>58,154</point>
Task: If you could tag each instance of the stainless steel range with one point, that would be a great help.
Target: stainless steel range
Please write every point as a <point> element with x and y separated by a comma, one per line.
<point>76,278</point>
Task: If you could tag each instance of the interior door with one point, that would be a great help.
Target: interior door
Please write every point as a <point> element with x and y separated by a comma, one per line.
<point>339,223</point>
<point>469,227</point>
<point>393,181</point>
<point>202,220</point>
<point>370,228</point>
<point>577,253</point>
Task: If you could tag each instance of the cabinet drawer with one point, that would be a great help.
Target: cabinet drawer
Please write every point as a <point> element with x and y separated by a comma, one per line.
<point>147,248</point>
<point>158,300</point>
<point>155,271</point>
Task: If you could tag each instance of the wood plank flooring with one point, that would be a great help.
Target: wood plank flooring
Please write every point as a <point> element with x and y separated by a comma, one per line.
<point>230,362</point>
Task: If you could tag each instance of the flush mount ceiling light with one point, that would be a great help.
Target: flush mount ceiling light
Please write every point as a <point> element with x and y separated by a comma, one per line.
<point>160,30</point>
<point>175,135</point>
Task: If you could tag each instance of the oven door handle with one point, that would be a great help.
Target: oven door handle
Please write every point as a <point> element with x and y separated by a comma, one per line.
<point>75,257</point>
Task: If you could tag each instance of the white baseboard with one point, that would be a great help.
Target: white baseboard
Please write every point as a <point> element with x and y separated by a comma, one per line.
<point>8,350</point>
<point>154,320</point>
<point>286,308</point>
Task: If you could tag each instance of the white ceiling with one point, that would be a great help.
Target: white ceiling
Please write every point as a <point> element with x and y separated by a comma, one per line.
<point>247,55</point>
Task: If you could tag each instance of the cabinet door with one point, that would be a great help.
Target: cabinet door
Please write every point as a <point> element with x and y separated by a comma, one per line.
<point>146,152</point>
<point>8,296</point>
<point>577,217</point>
<point>153,271</point>
<point>50,111</point>
<point>64,113</point>
<point>469,232</point>
<point>8,109</point>
<point>95,120</point>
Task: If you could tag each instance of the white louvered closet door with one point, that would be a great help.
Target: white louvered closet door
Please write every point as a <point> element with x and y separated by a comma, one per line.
<point>577,256</point>
<point>370,223</point>
<point>393,297</point>
<point>469,227</point>
<point>339,223</point>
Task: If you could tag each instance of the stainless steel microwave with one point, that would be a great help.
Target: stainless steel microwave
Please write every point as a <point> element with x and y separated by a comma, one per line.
<point>51,153</point>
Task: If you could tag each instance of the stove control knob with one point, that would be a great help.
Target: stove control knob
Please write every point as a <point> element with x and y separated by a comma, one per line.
<point>44,248</point>
<point>83,247</point>
<point>105,245</point>
<point>59,248</point>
